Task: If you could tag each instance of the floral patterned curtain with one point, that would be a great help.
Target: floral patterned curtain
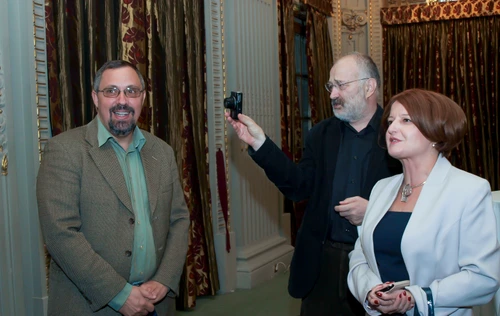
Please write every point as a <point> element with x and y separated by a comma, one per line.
<point>165,40</point>
<point>451,48</point>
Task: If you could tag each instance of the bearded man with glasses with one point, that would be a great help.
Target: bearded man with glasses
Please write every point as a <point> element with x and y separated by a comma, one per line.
<point>111,208</point>
<point>340,164</point>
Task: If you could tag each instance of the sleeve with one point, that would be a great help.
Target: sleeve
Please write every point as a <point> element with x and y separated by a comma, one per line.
<point>58,197</point>
<point>478,254</point>
<point>295,181</point>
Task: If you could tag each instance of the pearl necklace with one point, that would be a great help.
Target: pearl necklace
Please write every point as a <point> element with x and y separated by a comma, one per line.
<point>408,190</point>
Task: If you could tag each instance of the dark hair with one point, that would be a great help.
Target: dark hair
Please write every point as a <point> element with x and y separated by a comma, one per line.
<point>437,117</point>
<point>366,65</point>
<point>115,64</point>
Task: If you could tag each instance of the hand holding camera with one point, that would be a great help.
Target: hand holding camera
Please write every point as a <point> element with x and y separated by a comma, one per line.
<point>234,103</point>
<point>246,129</point>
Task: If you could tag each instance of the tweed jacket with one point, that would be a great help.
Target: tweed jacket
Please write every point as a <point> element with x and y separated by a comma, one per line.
<point>87,220</point>
<point>312,179</point>
<point>449,244</point>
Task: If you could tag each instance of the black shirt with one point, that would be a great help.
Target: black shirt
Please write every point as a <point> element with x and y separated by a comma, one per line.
<point>353,160</point>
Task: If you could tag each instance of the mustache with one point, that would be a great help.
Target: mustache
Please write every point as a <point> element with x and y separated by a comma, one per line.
<point>122,107</point>
<point>336,101</point>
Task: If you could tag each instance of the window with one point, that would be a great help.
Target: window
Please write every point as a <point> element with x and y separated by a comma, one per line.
<point>301,73</point>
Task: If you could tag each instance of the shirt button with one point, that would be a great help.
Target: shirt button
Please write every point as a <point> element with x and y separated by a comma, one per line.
<point>128,253</point>
<point>138,222</point>
<point>141,247</point>
<point>353,181</point>
<point>355,157</point>
<point>347,230</point>
<point>131,221</point>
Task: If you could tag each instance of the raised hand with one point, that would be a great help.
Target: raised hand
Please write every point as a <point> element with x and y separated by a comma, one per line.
<point>247,130</point>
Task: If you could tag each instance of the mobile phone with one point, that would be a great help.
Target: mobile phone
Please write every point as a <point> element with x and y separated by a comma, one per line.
<point>395,286</point>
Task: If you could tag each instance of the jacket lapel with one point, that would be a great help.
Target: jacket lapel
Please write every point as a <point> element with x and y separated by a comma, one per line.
<point>105,159</point>
<point>431,191</point>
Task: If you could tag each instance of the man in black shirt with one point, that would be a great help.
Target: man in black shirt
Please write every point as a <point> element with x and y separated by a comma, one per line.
<point>341,163</point>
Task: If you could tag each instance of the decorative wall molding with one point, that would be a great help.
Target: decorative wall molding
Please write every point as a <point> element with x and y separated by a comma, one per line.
<point>337,30</point>
<point>216,90</point>
<point>41,77</point>
<point>217,140</point>
<point>375,41</point>
<point>4,159</point>
<point>353,22</point>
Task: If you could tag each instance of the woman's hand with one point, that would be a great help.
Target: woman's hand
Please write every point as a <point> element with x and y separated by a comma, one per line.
<point>398,301</point>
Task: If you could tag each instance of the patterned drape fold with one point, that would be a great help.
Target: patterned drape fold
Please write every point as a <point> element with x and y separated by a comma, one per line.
<point>325,7</point>
<point>291,123</point>
<point>291,129</point>
<point>165,40</point>
<point>319,62</point>
<point>451,48</point>
<point>79,40</point>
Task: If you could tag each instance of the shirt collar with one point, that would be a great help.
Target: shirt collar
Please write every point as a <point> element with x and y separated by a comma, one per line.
<point>103,135</point>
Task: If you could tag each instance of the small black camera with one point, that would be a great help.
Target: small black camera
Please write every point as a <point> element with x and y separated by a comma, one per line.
<point>234,103</point>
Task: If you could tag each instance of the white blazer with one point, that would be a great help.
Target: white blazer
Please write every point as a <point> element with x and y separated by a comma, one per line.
<point>450,243</point>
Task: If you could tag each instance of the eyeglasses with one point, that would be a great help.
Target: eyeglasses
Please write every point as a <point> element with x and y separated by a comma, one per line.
<point>329,86</point>
<point>113,92</point>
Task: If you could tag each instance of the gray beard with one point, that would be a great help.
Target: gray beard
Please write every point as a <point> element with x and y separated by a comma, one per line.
<point>121,128</point>
<point>348,114</point>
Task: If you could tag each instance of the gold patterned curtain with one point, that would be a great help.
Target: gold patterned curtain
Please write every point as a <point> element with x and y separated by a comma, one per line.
<point>451,48</point>
<point>165,40</point>
<point>291,123</point>
<point>319,62</point>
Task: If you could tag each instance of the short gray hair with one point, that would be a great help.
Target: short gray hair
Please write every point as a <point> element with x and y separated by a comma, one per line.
<point>115,64</point>
<point>366,66</point>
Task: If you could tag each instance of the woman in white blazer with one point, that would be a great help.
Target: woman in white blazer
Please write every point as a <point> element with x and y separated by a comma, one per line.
<point>432,225</point>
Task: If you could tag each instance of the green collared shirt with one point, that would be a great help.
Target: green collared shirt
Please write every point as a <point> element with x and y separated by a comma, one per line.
<point>143,252</point>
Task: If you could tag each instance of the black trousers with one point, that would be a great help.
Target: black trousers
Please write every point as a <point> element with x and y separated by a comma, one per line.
<point>330,295</point>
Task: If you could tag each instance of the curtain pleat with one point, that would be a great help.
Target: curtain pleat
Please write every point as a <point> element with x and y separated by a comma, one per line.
<point>319,60</point>
<point>136,20</point>
<point>291,129</point>
<point>459,58</point>
<point>291,123</point>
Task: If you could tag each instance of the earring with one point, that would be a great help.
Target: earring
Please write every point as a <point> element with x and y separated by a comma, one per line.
<point>434,145</point>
